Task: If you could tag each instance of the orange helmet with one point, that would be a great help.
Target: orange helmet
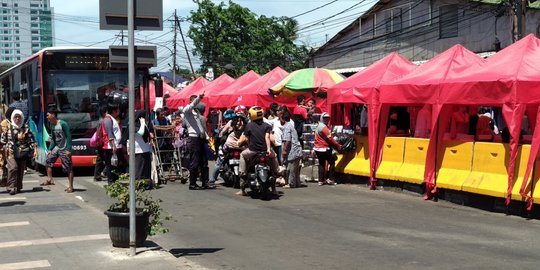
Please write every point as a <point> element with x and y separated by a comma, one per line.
<point>256,113</point>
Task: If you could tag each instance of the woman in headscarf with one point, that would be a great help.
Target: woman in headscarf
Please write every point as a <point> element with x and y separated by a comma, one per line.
<point>19,145</point>
<point>143,150</point>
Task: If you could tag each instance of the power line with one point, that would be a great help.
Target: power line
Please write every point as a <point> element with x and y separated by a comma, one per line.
<point>311,10</point>
<point>411,31</point>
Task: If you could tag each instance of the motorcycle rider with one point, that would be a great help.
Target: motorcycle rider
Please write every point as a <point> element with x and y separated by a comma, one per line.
<point>257,134</point>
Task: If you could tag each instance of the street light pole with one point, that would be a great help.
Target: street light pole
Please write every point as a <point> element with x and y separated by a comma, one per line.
<point>131,117</point>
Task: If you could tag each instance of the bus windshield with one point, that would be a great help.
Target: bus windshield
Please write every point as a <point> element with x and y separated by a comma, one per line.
<point>80,96</point>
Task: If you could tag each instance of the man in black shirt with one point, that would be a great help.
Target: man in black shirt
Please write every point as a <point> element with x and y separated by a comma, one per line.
<point>257,134</point>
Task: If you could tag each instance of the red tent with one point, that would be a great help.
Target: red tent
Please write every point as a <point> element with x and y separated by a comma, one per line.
<point>256,93</point>
<point>510,79</point>
<point>224,98</point>
<point>218,84</point>
<point>167,89</point>
<point>422,86</point>
<point>177,99</point>
<point>361,88</point>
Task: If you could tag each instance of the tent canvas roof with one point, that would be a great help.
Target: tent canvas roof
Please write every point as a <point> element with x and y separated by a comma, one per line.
<point>510,76</point>
<point>358,87</point>
<point>222,98</point>
<point>422,84</point>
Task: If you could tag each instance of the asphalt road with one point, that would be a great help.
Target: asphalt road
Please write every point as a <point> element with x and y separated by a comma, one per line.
<point>339,227</point>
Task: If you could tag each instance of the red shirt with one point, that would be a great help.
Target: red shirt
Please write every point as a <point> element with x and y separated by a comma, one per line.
<point>300,111</point>
<point>321,142</point>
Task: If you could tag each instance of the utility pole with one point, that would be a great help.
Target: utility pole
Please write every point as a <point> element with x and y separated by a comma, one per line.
<point>185,47</point>
<point>174,52</point>
<point>518,8</point>
<point>121,36</point>
<point>131,117</point>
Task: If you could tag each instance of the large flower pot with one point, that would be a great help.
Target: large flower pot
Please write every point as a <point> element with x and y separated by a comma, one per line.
<point>119,228</point>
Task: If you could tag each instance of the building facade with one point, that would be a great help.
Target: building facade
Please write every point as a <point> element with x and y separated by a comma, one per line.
<point>421,29</point>
<point>26,26</point>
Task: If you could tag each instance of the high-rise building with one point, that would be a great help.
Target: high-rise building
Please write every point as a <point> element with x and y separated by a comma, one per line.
<point>25,28</point>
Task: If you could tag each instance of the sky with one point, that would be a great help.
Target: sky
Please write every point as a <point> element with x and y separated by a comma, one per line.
<point>77,23</point>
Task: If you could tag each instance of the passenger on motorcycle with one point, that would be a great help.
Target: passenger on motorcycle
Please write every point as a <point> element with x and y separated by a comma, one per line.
<point>239,125</point>
<point>228,116</point>
<point>258,137</point>
<point>240,110</point>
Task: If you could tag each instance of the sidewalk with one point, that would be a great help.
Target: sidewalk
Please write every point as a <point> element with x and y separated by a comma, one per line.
<point>50,229</point>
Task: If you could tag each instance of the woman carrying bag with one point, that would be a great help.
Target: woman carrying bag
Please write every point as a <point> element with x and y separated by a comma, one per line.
<point>19,146</point>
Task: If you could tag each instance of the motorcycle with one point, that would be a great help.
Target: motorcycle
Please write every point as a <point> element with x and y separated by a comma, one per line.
<point>259,178</point>
<point>230,169</point>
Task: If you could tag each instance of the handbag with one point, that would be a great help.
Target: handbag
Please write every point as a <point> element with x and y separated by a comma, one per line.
<point>97,139</point>
<point>20,154</point>
<point>17,152</point>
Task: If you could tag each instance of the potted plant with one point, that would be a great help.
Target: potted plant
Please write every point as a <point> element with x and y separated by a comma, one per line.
<point>149,214</point>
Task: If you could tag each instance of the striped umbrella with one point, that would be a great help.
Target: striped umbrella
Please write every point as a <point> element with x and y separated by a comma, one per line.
<point>308,80</point>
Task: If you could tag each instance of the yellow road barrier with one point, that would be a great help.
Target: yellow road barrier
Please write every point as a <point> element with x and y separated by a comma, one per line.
<point>414,161</point>
<point>359,165</point>
<point>489,170</point>
<point>392,158</point>
<point>455,164</point>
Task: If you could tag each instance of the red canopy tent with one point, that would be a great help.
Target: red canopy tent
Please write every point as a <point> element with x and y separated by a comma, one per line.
<point>361,88</point>
<point>167,89</point>
<point>510,79</point>
<point>177,99</point>
<point>422,86</point>
<point>221,82</point>
<point>224,98</point>
<point>256,93</point>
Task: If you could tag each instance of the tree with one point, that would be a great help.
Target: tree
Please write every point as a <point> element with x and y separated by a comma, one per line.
<point>4,67</point>
<point>232,39</point>
<point>184,73</point>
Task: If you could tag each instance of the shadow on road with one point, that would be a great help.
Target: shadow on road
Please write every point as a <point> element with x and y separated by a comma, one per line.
<point>181,252</point>
<point>12,203</point>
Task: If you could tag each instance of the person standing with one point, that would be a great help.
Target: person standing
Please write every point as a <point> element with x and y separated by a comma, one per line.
<point>112,143</point>
<point>299,117</point>
<point>60,148</point>
<point>323,149</point>
<point>3,161</point>
<point>423,122</point>
<point>19,145</point>
<point>291,152</point>
<point>143,150</point>
<point>195,124</point>
<point>460,123</point>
